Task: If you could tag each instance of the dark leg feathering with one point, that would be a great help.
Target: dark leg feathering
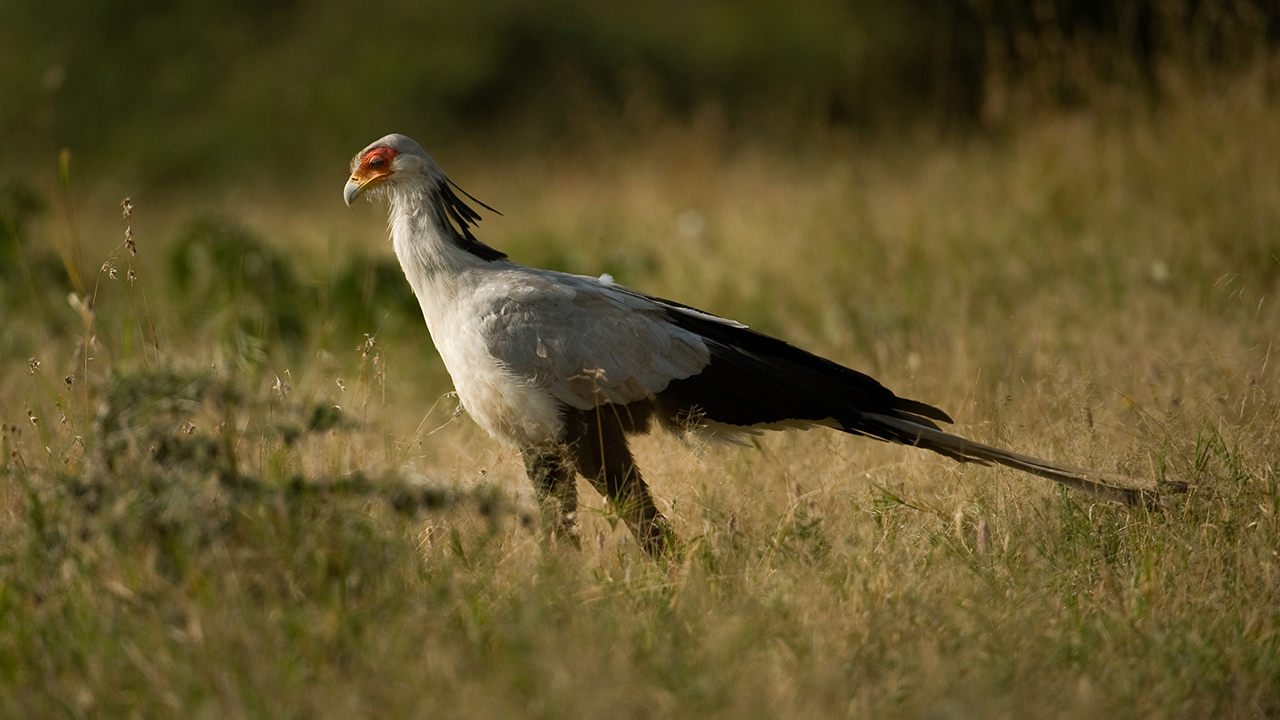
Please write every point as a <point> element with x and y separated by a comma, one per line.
<point>595,445</point>
<point>553,476</point>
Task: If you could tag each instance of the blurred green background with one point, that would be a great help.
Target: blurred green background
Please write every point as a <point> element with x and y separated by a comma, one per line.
<point>182,91</point>
<point>229,121</point>
<point>233,482</point>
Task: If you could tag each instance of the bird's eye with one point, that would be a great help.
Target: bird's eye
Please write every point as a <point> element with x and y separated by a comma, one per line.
<point>377,162</point>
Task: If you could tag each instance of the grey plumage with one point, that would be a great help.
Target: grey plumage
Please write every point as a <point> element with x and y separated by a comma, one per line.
<point>583,342</point>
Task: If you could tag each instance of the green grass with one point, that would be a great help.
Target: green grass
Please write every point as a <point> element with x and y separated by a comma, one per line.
<point>219,499</point>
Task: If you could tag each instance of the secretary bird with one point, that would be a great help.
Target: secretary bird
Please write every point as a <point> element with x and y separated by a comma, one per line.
<point>565,367</point>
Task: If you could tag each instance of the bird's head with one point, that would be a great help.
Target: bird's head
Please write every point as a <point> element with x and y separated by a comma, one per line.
<point>392,160</point>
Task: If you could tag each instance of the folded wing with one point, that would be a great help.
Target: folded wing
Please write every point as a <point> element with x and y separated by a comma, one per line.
<point>588,342</point>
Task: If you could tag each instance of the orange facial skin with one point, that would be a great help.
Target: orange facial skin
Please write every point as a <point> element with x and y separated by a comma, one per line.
<point>374,167</point>
<point>369,170</point>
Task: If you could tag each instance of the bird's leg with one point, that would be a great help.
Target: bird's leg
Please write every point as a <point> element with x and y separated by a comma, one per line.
<point>600,447</point>
<point>556,488</point>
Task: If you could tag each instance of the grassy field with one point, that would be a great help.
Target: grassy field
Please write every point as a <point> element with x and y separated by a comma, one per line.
<point>235,485</point>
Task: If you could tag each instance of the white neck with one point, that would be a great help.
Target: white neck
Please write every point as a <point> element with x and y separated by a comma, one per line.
<point>435,265</point>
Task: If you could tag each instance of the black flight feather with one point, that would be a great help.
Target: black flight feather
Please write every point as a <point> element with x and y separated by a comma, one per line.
<point>754,379</point>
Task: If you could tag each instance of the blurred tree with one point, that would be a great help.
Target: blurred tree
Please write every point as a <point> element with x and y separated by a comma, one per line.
<point>176,90</point>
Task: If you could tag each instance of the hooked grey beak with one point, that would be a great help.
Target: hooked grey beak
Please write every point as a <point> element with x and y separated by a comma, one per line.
<point>352,191</point>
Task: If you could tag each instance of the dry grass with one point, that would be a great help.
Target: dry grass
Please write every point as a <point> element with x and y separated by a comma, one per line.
<point>201,542</point>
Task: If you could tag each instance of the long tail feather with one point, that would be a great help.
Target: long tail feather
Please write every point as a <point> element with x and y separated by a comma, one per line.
<point>1101,485</point>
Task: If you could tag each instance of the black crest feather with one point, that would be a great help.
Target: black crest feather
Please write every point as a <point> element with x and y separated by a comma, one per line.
<point>460,218</point>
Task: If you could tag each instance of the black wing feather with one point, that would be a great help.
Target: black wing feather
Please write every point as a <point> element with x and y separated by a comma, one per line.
<point>754,379</point>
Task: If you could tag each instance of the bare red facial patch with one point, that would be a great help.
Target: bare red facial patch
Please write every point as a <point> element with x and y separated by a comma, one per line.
<point>378,159</point>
